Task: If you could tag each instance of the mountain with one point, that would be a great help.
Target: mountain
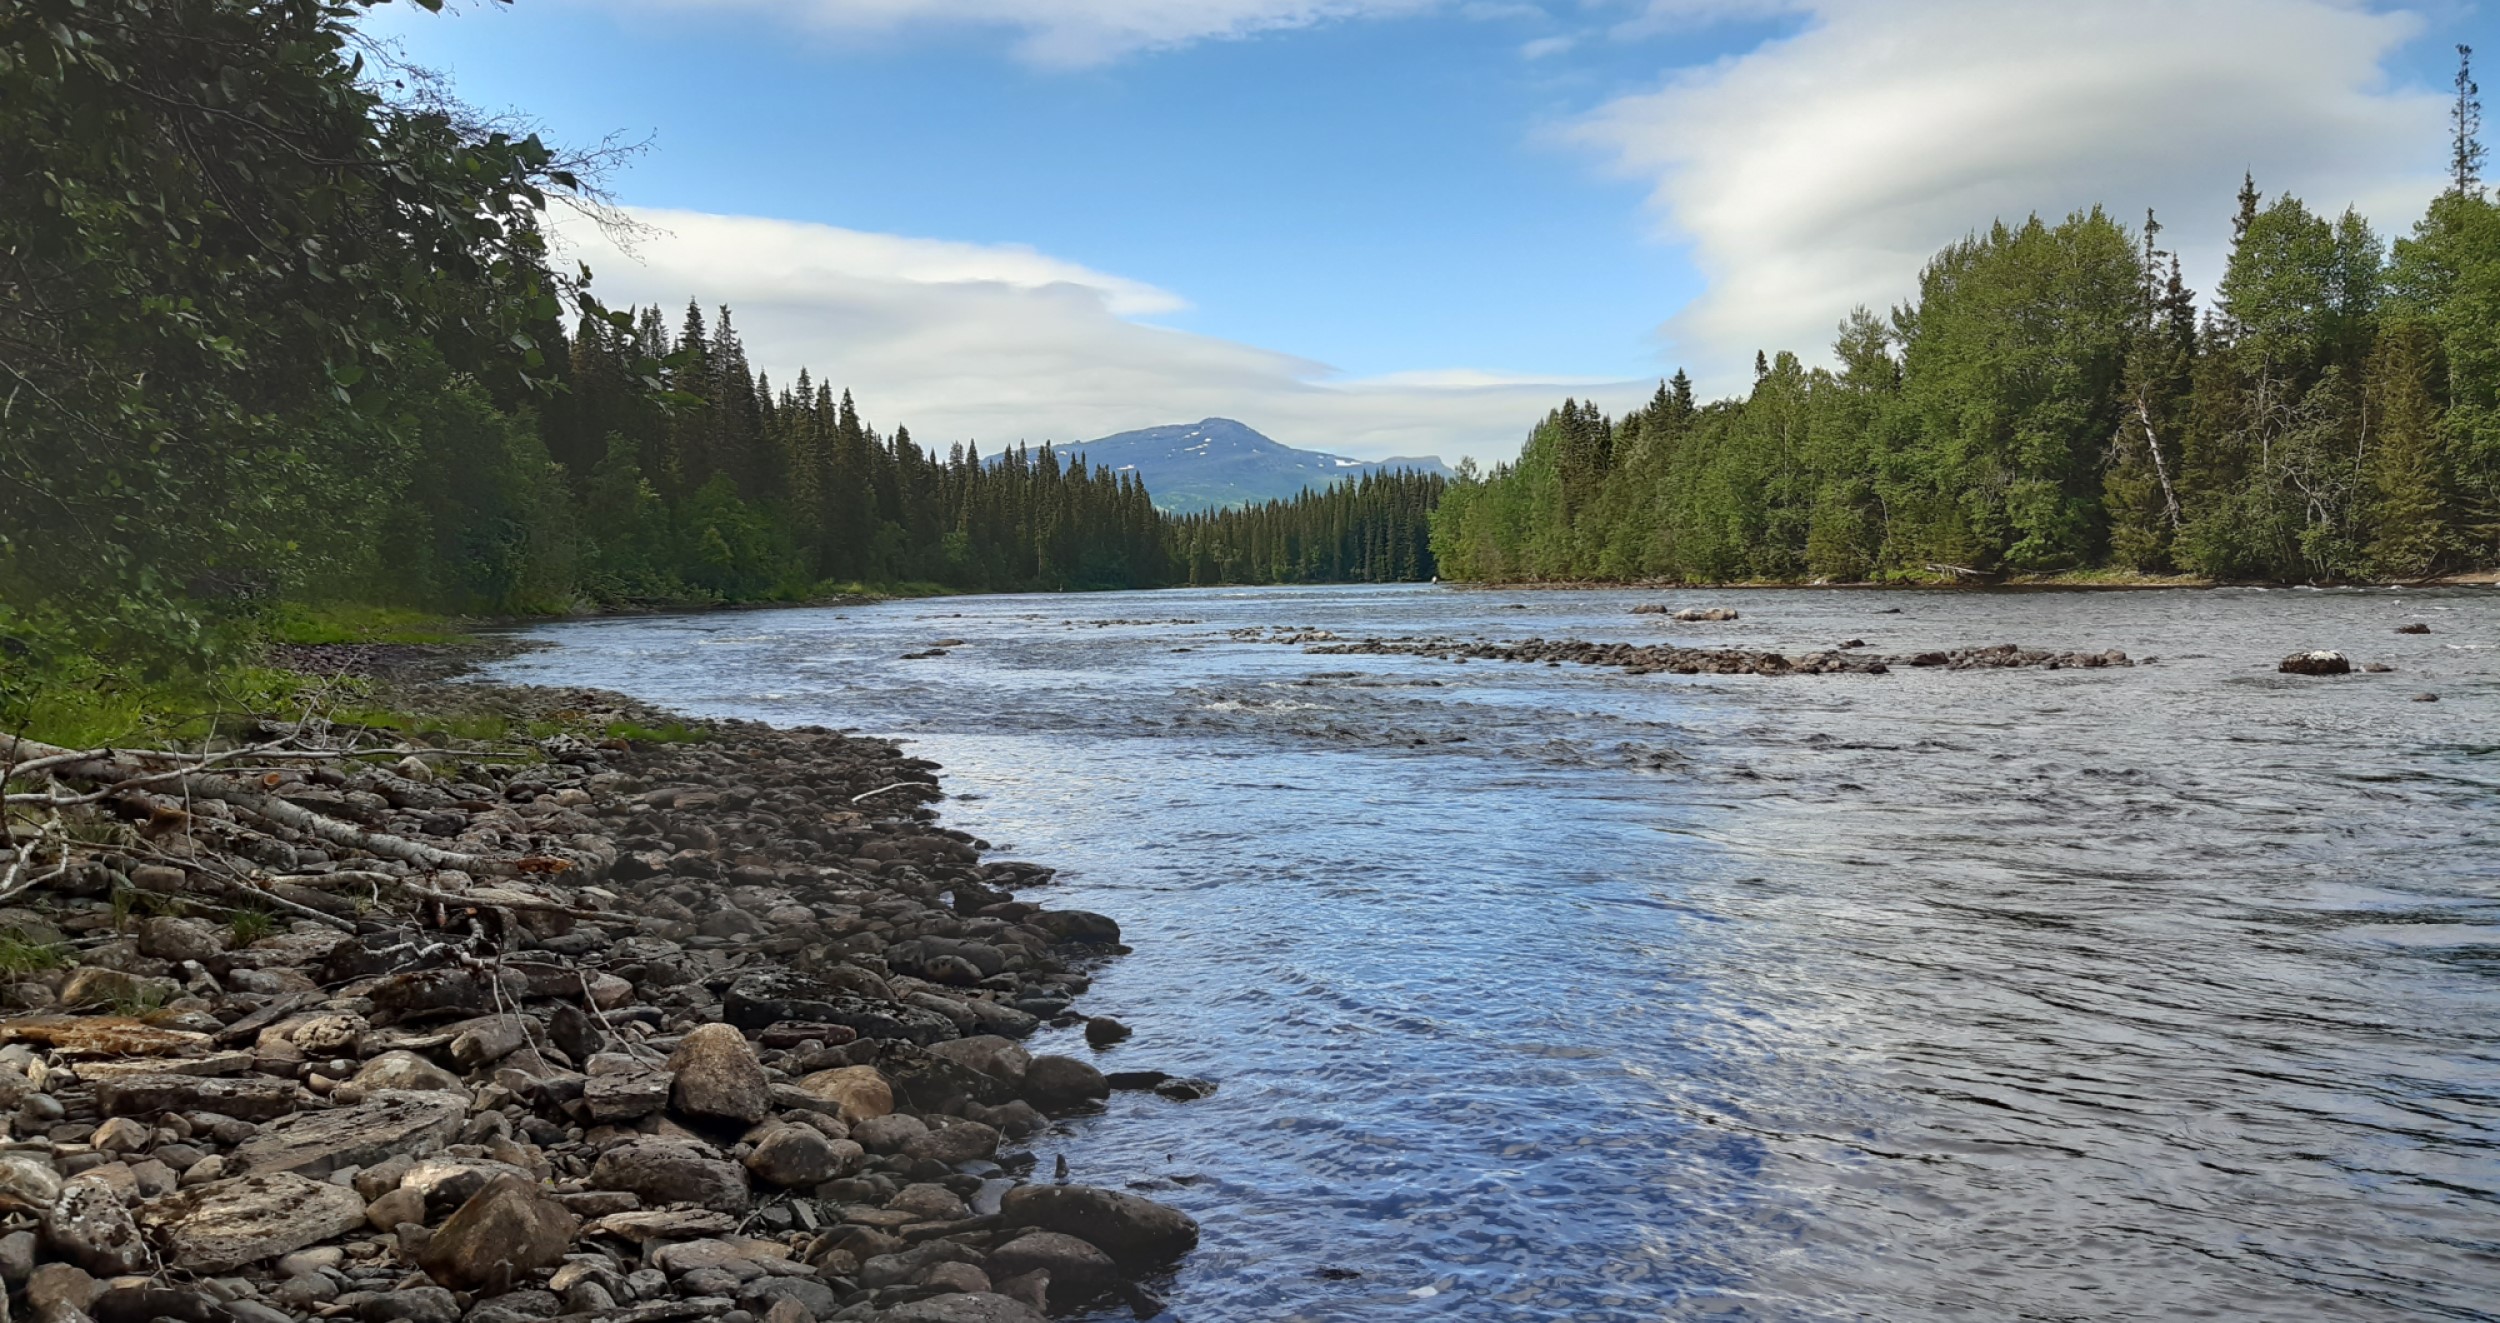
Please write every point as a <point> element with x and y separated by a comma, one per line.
<point>1216,462</point>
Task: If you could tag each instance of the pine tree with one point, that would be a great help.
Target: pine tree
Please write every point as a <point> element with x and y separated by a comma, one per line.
<point>2465,120</point>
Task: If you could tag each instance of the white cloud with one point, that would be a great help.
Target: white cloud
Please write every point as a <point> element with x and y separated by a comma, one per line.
<point>1820,170</point>
<point>1001,344</point>
<point>1081,32</point>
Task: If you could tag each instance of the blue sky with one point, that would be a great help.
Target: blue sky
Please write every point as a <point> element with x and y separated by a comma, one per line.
<point>1386,226</point>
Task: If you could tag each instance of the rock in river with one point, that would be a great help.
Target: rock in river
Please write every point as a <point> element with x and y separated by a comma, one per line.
<point>2316,663</point>
<point>1137,1233</point>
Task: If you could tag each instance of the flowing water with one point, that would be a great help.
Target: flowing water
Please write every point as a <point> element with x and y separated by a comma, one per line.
<point>1557,993</point>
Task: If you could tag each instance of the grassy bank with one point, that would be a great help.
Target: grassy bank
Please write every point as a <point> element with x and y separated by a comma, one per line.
<point>337,657</point>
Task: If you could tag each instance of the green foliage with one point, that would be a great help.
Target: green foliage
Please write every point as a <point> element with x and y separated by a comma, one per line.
<point>1375,529</point>
<point>20,956</point>
<point>56,687</point>
<point>246,926</point>
<point>675,732</point>
<point>225,256</point>
<point>354,622</point>
<point>2049,404</point>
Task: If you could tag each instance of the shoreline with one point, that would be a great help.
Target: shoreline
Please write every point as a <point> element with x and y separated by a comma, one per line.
<point>2049,584</point>
<point>723,1026</point>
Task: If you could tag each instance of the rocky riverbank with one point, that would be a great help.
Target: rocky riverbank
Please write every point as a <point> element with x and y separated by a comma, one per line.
<point>724,1028</point>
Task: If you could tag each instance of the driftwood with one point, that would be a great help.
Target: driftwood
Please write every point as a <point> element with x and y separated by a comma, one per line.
<point>150,778</point>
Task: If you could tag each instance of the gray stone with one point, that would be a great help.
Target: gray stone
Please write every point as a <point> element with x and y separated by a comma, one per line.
<point>964,1141</point>
<point>17,1256</point>
<point>61,1283</point>
<point>318,1143</point>
<point>516,1307</point>
<point>889,1133</point>
<point>626,1095</point>
<point>719,1076</point>
<point>983,1307</point>
<point>1078,1271</point>
<point>670,1172</point>
<point>404,1072</point>
<point>421,1304</point>
<point>1137,1233</point>
<point>449,1182</point>
<point>28,1184</point>
<point>989,1054</point>
<point>89,1226</point>
<point>909,1265</point>
<point>393,1207</point>
<point>1060,1083</point>
<point>772,1297</point>
<point>487,1040</point>
<point>930,1203</point>
<point>501,1235</point>
<point>245,1098</point>
<point>795,1155</point>
<point>215,1228</point>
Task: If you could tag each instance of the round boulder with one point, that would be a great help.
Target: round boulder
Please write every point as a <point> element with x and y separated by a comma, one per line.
<point>859,1091</point>
<point>719,1076</point>
<point>1063,1084</point>
<point>1137,1233</point>
<point>1078,1271</point>
<point>795,1156</point>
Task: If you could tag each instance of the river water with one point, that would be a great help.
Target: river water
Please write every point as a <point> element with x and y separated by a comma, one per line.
<point>1556,993</point>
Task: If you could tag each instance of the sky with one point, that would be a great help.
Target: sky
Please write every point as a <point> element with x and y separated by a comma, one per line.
<point>1400,227</point>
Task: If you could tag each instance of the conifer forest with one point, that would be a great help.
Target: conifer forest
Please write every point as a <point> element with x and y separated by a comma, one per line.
<point>280,326</point>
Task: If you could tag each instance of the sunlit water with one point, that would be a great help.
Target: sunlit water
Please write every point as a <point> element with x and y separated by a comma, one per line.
<point>1546,993</point>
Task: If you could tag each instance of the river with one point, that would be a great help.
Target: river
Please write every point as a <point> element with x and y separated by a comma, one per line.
<point>1543,993</point>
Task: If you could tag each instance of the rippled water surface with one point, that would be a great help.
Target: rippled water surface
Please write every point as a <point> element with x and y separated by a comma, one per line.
<point>1548,992</point>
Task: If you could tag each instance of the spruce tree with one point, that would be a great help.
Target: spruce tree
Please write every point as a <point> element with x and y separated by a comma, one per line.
<point>2465,122</point>
<point>2406,475</point>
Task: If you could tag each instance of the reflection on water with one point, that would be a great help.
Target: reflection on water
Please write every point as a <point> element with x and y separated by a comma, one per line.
<point>1542,993</point>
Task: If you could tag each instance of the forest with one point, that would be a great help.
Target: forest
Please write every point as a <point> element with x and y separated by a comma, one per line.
<point>2055,400</point>
<point>284,327</point>
<point>1374,529</point>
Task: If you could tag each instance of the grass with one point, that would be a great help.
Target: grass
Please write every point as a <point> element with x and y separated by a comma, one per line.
<point>130,903</point>
<point>249,925</point>
<point>346,622</point>
<point>138,1003</point>
<point>861,588</point>
<point>489,727</point>
<point>675,732</point>
<point>20,957</point>
<point>83,703</point>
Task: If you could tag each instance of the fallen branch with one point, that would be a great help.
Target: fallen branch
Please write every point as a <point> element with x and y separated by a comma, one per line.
<point>896,786</point>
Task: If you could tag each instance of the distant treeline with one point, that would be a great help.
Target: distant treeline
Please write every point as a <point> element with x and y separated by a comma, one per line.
<point>1375,529</point>
<point>2053,401</point>
<point>722,488</point>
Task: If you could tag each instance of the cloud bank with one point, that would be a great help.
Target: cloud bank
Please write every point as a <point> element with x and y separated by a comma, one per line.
<point>1820,171</point>
<point>999,344</point>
